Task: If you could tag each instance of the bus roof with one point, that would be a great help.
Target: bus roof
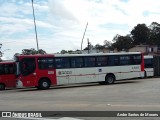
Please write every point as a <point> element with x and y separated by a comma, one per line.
<point>96,54</point>
<point>70,55</point>
<point>7,62</point>
<point>36,55</point>
<point>148,56</point>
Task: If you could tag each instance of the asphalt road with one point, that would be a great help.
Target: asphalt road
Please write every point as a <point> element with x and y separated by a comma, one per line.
<point>128,95</point>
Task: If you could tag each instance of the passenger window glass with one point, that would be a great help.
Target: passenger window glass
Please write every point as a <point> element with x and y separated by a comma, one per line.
<point>6,69</point>
<point>2,69</point>
<point>77,62</point>
<point>136,59</point>
<point>113,61</point>
<point>62,62</point>
<point>148,63</point>
<point>125,60</point>
<point>45,63</point>
<point>89,61</point>
<point>102,61</point>
<point>28,66</point>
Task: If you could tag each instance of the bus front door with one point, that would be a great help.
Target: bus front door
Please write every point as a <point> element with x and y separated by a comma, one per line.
<point>28,70</point>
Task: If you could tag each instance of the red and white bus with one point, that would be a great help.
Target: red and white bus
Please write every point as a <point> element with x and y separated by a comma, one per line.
<point>7,75</point>
<point>42,71</point>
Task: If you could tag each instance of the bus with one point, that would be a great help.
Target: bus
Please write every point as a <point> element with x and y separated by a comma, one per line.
<point>148,66</point>
<point>42,71</point>
<point>7,75</point>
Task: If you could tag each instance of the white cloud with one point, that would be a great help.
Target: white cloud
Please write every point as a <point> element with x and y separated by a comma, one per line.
<point>106,11</point>
<point>13,25</point>
<point>66,19</point>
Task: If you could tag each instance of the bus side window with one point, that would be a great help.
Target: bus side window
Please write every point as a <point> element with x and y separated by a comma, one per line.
<point>148,63</point>
<point>11,69</point>
<point>62,63</point>
<point>1,69</point>
<point>76,62</point>
<point>113,60</point>
<point>45,63</point>
<point>89,61</point>
<point>124,60</point>
<point>102,61</point>
<point>6,69</point>
<point>136,59</point>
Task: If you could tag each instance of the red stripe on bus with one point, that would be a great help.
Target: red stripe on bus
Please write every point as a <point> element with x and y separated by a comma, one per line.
<point>96,74</point>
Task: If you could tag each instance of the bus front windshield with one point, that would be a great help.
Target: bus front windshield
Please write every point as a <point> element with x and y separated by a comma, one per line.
<point>27,66</point>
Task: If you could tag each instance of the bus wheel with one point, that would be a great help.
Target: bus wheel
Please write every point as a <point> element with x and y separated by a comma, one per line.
<point>2,87</point>
<point>109,79</point>
<point>44,84</point>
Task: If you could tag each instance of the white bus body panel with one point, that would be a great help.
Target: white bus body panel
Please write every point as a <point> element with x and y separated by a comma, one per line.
<point>149,71</point>
<point>97,74</point>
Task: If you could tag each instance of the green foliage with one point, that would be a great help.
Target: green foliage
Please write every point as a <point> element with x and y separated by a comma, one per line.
<point>63,51</point>
<point>32,51</point>
<point>90,46</point>
<point>99,47</point>
<point>1,51</point>
<point>140,34</point>
<point>154,37</point>
<point>41,51</point>
<point>122,42</point>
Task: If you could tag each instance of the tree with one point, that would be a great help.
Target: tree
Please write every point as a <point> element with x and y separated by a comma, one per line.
<point>70,51</point>
<point>89,47</point>
<point>0,45</point>
<point>17,54</point>
<point>41,51</point>
<point>108,44</point>
<point>78,51</point>
<point>122,42</point>
<point>140,34</point>
<point>63,51</point>
<point>0,50</point>
<point>154,38</point>
<point>99,47</point>
<point>32,51</point>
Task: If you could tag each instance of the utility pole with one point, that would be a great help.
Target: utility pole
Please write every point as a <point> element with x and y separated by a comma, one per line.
<point>88,45</point>
<point>83,36</point>
<point>35,27</point>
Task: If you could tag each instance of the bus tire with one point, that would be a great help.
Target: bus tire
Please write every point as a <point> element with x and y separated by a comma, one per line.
<point>2,86</point>
<point>109,79</point>
<point>44,84</point>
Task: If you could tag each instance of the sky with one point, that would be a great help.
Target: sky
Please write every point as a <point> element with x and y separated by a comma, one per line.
<point>61,23</point>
